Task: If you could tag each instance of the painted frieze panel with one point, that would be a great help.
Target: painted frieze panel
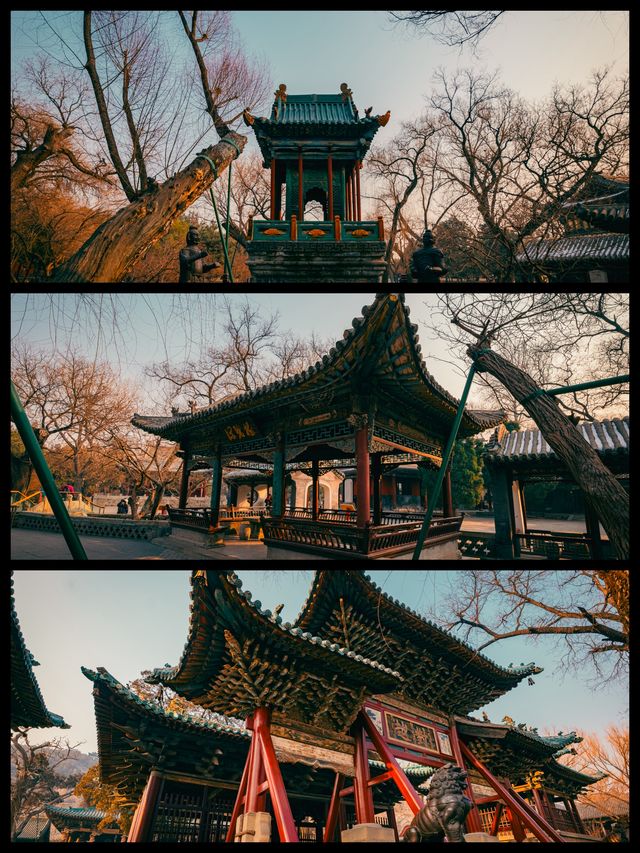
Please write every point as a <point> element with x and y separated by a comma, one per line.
<point>404,730</point>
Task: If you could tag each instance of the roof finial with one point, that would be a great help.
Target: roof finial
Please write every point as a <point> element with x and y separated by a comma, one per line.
<point>346,92</point>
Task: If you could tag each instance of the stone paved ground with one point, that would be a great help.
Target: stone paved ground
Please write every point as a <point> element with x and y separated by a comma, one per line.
<point>43,545</point>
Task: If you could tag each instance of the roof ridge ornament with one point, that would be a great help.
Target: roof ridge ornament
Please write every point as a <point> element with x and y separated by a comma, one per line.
<point>346,92</point>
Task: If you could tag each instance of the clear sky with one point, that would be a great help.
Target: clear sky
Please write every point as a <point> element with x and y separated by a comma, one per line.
<point>154,325</point>
<point>128,621</point>
<point>386,66</point>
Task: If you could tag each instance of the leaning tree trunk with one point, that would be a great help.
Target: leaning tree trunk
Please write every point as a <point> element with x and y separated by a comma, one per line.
<point>27,161</point>
<point>118,243</point>
<point>600,487</point>
<point>158,492</point>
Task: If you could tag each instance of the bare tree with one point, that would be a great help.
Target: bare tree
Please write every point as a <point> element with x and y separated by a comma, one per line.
<point>586,609</point>
<point>520,164</point>
<point>600,488</point>
<point>38,780</point>
<point>76,401</point>
<point>609,758</point>
<point>143,121</point>
<point>146,463</point>
<point>450,27</point>
<point>559,339</point>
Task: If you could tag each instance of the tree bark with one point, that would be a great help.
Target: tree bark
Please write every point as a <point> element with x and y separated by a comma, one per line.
<point>608,498</point>
<point>28,161</point>
<point>118,243</point>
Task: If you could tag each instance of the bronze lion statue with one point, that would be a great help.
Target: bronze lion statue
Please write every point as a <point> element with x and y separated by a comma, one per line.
<point>446,809</point>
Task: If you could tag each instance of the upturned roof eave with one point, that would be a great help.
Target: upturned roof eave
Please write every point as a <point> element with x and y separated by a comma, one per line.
<point>472,423</point>
<point>413,621</point>
<point>25,683</point>
<point>189,674</point>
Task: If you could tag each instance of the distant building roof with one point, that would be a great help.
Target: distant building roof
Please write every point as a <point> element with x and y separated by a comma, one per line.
<point>594,246</point>
<point>37,828</point>
<point>27,704</point>
<point>612,809</point>
<point>607,437</point>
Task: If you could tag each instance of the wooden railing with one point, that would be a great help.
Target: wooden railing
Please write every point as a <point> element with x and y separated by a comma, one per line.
<point>346,539</point>
<point>556,546</point>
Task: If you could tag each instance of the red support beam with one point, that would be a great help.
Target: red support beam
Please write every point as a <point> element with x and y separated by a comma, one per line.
<point>413,798</point>
<point>383,777</point>
<point>516,826</point>
<point>363,475</point>
<point>282,809</point>
<point>330,186</point>
<point>184,481</point>
<point>354,208</point>
<point>364,797</point>
<point>474,821</point>
<point>240,798</point>
<point>542,830</point>
<point>334,809</point>
<point>495,823</point>
<point>141,823</point>
<point>358,198</point>
<point>447,495</point>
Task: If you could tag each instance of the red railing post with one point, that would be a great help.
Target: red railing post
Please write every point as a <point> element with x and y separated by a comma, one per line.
<point>495,823</point>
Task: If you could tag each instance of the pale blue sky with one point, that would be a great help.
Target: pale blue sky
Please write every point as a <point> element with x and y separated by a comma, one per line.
<point>148,321</point>
<point>386,66</point>
<point>130,620</point>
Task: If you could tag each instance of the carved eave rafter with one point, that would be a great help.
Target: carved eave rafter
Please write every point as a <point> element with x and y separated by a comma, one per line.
<point>239,657</point>
<point>439,670</point>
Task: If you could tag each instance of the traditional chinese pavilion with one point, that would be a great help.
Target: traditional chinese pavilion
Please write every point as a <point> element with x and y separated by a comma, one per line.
<point>314,146</point>
<point>370,403</point>
<point>28,708</point>
<point>81,824</point>
<point>514,459</point>
<point>348,711</point>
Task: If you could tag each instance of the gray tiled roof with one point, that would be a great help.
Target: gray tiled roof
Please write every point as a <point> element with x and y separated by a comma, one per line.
<point>592,247</point>
<point>604,436</point>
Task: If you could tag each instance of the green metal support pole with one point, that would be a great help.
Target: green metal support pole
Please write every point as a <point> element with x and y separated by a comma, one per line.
<point>581,386</point>
<point>36,455</point>
<point>433,499</point>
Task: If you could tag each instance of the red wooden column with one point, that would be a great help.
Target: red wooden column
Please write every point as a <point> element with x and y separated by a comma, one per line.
<point>358,197</point>
<point>141,823</point>
<point>184,481</point>
<point>262,773</point>
<point>376,474</point>
<point>495,823</point>
<point>300,183</point>
<point>363,474</point>
<point>362,791</point>
<point>333,814</point>
<point>330,186</point>
<point>348,197</point>
<point>272,212</point>
<point>447,496</point>
<point>315,489</point>
<point>576,815</point>
<point>473,821</point>
<point>354,207</point>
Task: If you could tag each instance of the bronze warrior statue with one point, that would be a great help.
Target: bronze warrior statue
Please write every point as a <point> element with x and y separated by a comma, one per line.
<point>427,264</point>
<point>446,809</point>
<point>191,266</point>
